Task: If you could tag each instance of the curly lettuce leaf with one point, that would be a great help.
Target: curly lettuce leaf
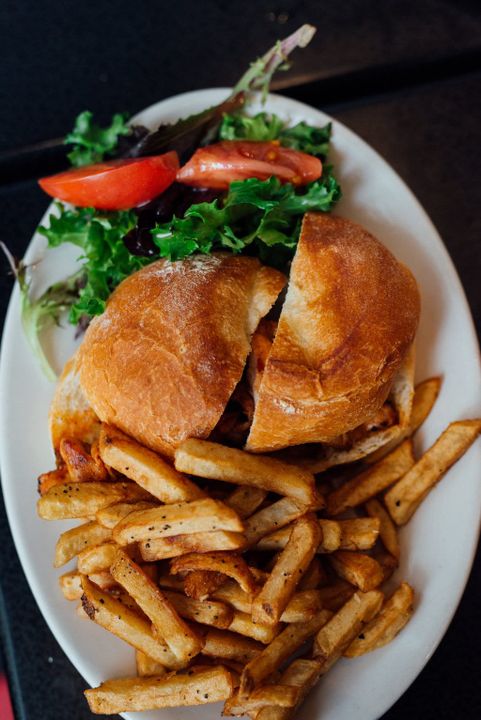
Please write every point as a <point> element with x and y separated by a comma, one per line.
<point>93,143</point>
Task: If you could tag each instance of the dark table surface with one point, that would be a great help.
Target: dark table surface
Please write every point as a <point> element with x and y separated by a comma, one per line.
<point>406,76</point>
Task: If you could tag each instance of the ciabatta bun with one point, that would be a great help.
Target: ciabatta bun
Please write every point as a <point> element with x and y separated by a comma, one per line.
<point>348,320</point>
<point>164,358</point>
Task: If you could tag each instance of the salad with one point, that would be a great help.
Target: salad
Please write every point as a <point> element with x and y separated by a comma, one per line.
<point>222,179</point>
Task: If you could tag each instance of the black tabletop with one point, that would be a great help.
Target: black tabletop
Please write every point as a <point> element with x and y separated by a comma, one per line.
<point>405,75</point>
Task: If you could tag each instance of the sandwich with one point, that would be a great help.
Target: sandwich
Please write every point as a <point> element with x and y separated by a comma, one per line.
<point>200,348</point>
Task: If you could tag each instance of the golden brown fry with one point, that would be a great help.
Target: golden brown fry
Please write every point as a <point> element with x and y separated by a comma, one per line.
<point>390,620</point>
<point>225,645</point>
<point>80,500</point>
<point>174,690</point>
<point>315,576</point>
<point>175,545</point>
<point>229,564</point>
<point>103,580</point>
<point>97,558</point>
<point>80,464</point>
<point>279,650</point>
<point>404,498</point>
<point>338,633</point>
<point>271,518</point>
<point>335,595</point>
<point>217,462</point>
<point>55,477</point>
<point>145,467</point>
<point>231,593</point>
<point>291,565</point>
<point>204,515</point>
<point>182,641</point>
<point>425,396</point>
<point>245,500</point>
<point>301,674</point>
<point>201,584</point>
<point>355,534</point>
<point>283,696</point>
<point>360,570</point>
<point>79,538</point>
<point>377,478</point>
<point>208,612</point>
<point>387,529</point>
<point>71,585</point>
<point>171,583</point>
<point>120,620</point>
<point>243,624</point>
<point>113,514</point>
<point>303,606</point>
<point>359,533</point>
<point>146,667</point>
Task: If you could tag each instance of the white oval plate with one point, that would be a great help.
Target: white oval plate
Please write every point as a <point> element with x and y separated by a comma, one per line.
<point>437,546</point>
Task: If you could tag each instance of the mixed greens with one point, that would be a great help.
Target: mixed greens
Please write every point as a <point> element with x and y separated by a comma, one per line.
<point>256,217</point>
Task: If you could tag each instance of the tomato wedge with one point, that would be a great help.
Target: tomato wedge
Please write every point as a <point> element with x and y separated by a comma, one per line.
<point>216,166</point>
<point>116,184</point>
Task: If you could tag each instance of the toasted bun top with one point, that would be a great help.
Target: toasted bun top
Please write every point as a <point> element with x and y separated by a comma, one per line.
<point>349,318</point>
<point>164,358</point>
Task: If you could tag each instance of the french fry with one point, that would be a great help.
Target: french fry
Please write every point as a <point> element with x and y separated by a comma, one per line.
<point>73,541</point>
<point>302,606</point>
<point>271,518</point>
<point>204,515</point>
<point>283,696</point>
<point>181,640</point>
<point>338,633</point>
<point>120,594</point>
<point>171,583</point>
<point>50,479</point>
<point>388,563</point>
<point>217,462</point>
<point>145,467</point>
<point>111,614</point>
<point>301,674</point>
<point>245,500</point>
<point>71,585</point>
<point>80,500</point>
<point>146,667</point>
<point>377,478</point>
<point>229,564</point>
<point>425,395</point>
<point>103,580</point>
<point>113,514</point>
<point>209,612</point>
<point>355,534</point>
<point>291,565</point>
<point>225,645</point>
<point>404,498</point>
<point>393,616</point>
<point>134,694</point>
<point>314,577</point>
<point>360,570</point>
<point>201,584</point>
<point>359,533</point>
<point>387,529</point>
<point>278,651</point>
<point>243,624</point>
<point>80,464</point>
<point>97,558</point>
<point>175,545</point>
<point>336,595</point>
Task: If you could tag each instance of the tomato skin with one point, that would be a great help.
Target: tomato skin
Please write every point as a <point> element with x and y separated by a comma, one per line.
<point>216,166</point>
<point>116,184</point>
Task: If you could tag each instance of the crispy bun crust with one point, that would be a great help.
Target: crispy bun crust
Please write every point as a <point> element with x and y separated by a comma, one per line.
<point>349,318</point>
<point>164,358</point>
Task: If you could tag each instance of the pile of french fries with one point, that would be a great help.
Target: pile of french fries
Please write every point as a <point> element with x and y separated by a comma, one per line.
<point>219,570</point>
